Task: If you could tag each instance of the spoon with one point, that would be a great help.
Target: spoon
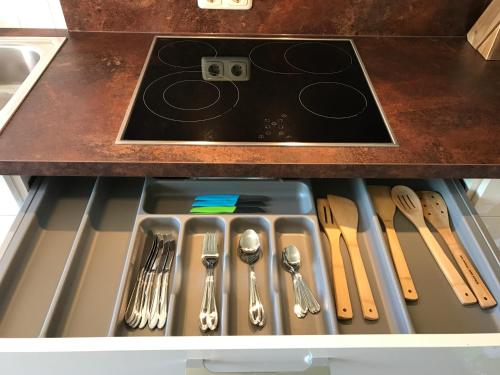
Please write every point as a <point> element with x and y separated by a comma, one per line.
<point>249,251</point>
<point>304,299</point>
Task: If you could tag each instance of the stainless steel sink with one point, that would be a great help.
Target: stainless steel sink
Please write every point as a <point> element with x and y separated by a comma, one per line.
<point>22,62</point>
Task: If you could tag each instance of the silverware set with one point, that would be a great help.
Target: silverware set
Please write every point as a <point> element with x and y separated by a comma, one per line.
<point>148,304</point>
<point>209,317</point>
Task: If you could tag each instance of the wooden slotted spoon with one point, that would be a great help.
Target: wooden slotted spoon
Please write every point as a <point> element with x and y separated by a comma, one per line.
<point>345,213</point>
<point>409,204</point>
<point>385,208</point>
<point>436,213</point>
<point>342,299</point>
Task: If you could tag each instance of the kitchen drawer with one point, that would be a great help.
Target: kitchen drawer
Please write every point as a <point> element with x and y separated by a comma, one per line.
<point>76,247</point>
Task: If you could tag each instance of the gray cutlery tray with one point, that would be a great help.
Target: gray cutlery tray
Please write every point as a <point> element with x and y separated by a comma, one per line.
<point>70,266</point>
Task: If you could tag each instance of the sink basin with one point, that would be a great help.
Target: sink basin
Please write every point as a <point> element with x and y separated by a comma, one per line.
<point>22,62</point>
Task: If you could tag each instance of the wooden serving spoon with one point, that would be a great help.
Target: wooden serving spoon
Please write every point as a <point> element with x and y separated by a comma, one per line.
<point>345,213</point>
<point>436,213</point>
<point>342,299</point>
<point>385,208</point>
<point>409,204</point>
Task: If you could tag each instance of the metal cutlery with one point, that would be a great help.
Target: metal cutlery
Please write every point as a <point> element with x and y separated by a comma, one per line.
<point>345,213</point>
<point>159,306</point>
<point>133,312</point>
<point>342,299</point>
<point>209,257</point>
<point>149,299</point>
<point>436,213</point>
<point>304,299</point>
<point>409,204</point>
<point>249,250</point>
<point>385,209</point>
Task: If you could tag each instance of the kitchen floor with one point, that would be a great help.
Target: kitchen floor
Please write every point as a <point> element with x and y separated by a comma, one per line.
<point>8,209</point>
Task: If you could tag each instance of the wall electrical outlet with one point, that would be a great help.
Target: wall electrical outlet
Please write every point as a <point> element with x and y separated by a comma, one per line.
<point>225,4</point>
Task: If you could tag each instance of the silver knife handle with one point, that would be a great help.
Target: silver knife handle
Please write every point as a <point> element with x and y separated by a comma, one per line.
<point>162,319</point>
<point>132,303</point>
<point>155,304</point>
<point>146,298</point>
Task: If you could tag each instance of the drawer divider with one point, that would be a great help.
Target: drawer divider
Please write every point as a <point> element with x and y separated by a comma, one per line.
<point>67,267</point>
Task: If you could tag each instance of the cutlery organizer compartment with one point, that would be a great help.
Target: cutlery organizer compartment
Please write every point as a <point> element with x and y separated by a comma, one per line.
<point>163,196</point>
<point>303,233</point>
<point>438,309</point>
<point>393,317</point>
<point>84,305</point>
<point>36,255</point>
<point>238,280</point>
<point>140,245</point>
<point>187,286</point>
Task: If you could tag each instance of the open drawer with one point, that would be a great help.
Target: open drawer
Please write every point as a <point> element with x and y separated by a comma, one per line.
<point>68,271</point>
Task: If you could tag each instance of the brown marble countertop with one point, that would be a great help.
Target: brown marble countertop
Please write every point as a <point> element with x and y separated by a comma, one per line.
<point>441,98</point>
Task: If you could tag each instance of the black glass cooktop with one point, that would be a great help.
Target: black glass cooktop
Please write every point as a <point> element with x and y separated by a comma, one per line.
<point>254,91</point>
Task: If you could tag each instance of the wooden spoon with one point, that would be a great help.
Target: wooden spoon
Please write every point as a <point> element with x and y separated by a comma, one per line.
<point>342,299</point>
<point>409,204</point>
<point>436,213</point>
<point>345,212</point>
<point>385,208</point>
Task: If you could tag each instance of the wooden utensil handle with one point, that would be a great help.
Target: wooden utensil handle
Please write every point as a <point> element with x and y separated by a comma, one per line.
<point>405,279</point>
<point>342,299</point>
<point>462,291</point>
<point>484,297</point>
<point>365,292</point>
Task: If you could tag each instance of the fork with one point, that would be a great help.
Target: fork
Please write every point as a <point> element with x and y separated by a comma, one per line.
<point>145,308</point>
<point>158,310</point>
<point>209,257</point>
<point>132,313</point>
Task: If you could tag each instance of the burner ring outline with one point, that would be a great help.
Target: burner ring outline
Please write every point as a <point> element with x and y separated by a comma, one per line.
<point>185,41</point>
<point>333,117</point>
<point>191,109</point>
<point>265,69</point>
<point>237,91</point>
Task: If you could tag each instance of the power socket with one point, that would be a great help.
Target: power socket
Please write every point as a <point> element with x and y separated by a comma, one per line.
<point>225,4</point>
<point>221,68</point>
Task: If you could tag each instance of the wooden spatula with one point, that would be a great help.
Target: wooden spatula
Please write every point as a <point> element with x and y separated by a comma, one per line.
<point>409,204</point>
<point>385,208</point>
<point>345,213</point>
<point>436,213</point>
<point>342,299</point>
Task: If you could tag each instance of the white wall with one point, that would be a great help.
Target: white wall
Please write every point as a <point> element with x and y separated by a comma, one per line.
<point>43,14</point>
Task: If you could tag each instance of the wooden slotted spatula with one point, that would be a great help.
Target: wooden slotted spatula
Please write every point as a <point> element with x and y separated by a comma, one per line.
<point>345,213</point>
<point>385,208</point>
<point>436,213</point>
<point>342,299</point>
<point>409,204</point>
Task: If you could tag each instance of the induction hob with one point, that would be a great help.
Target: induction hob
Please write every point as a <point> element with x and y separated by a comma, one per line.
<point>259,91</point>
